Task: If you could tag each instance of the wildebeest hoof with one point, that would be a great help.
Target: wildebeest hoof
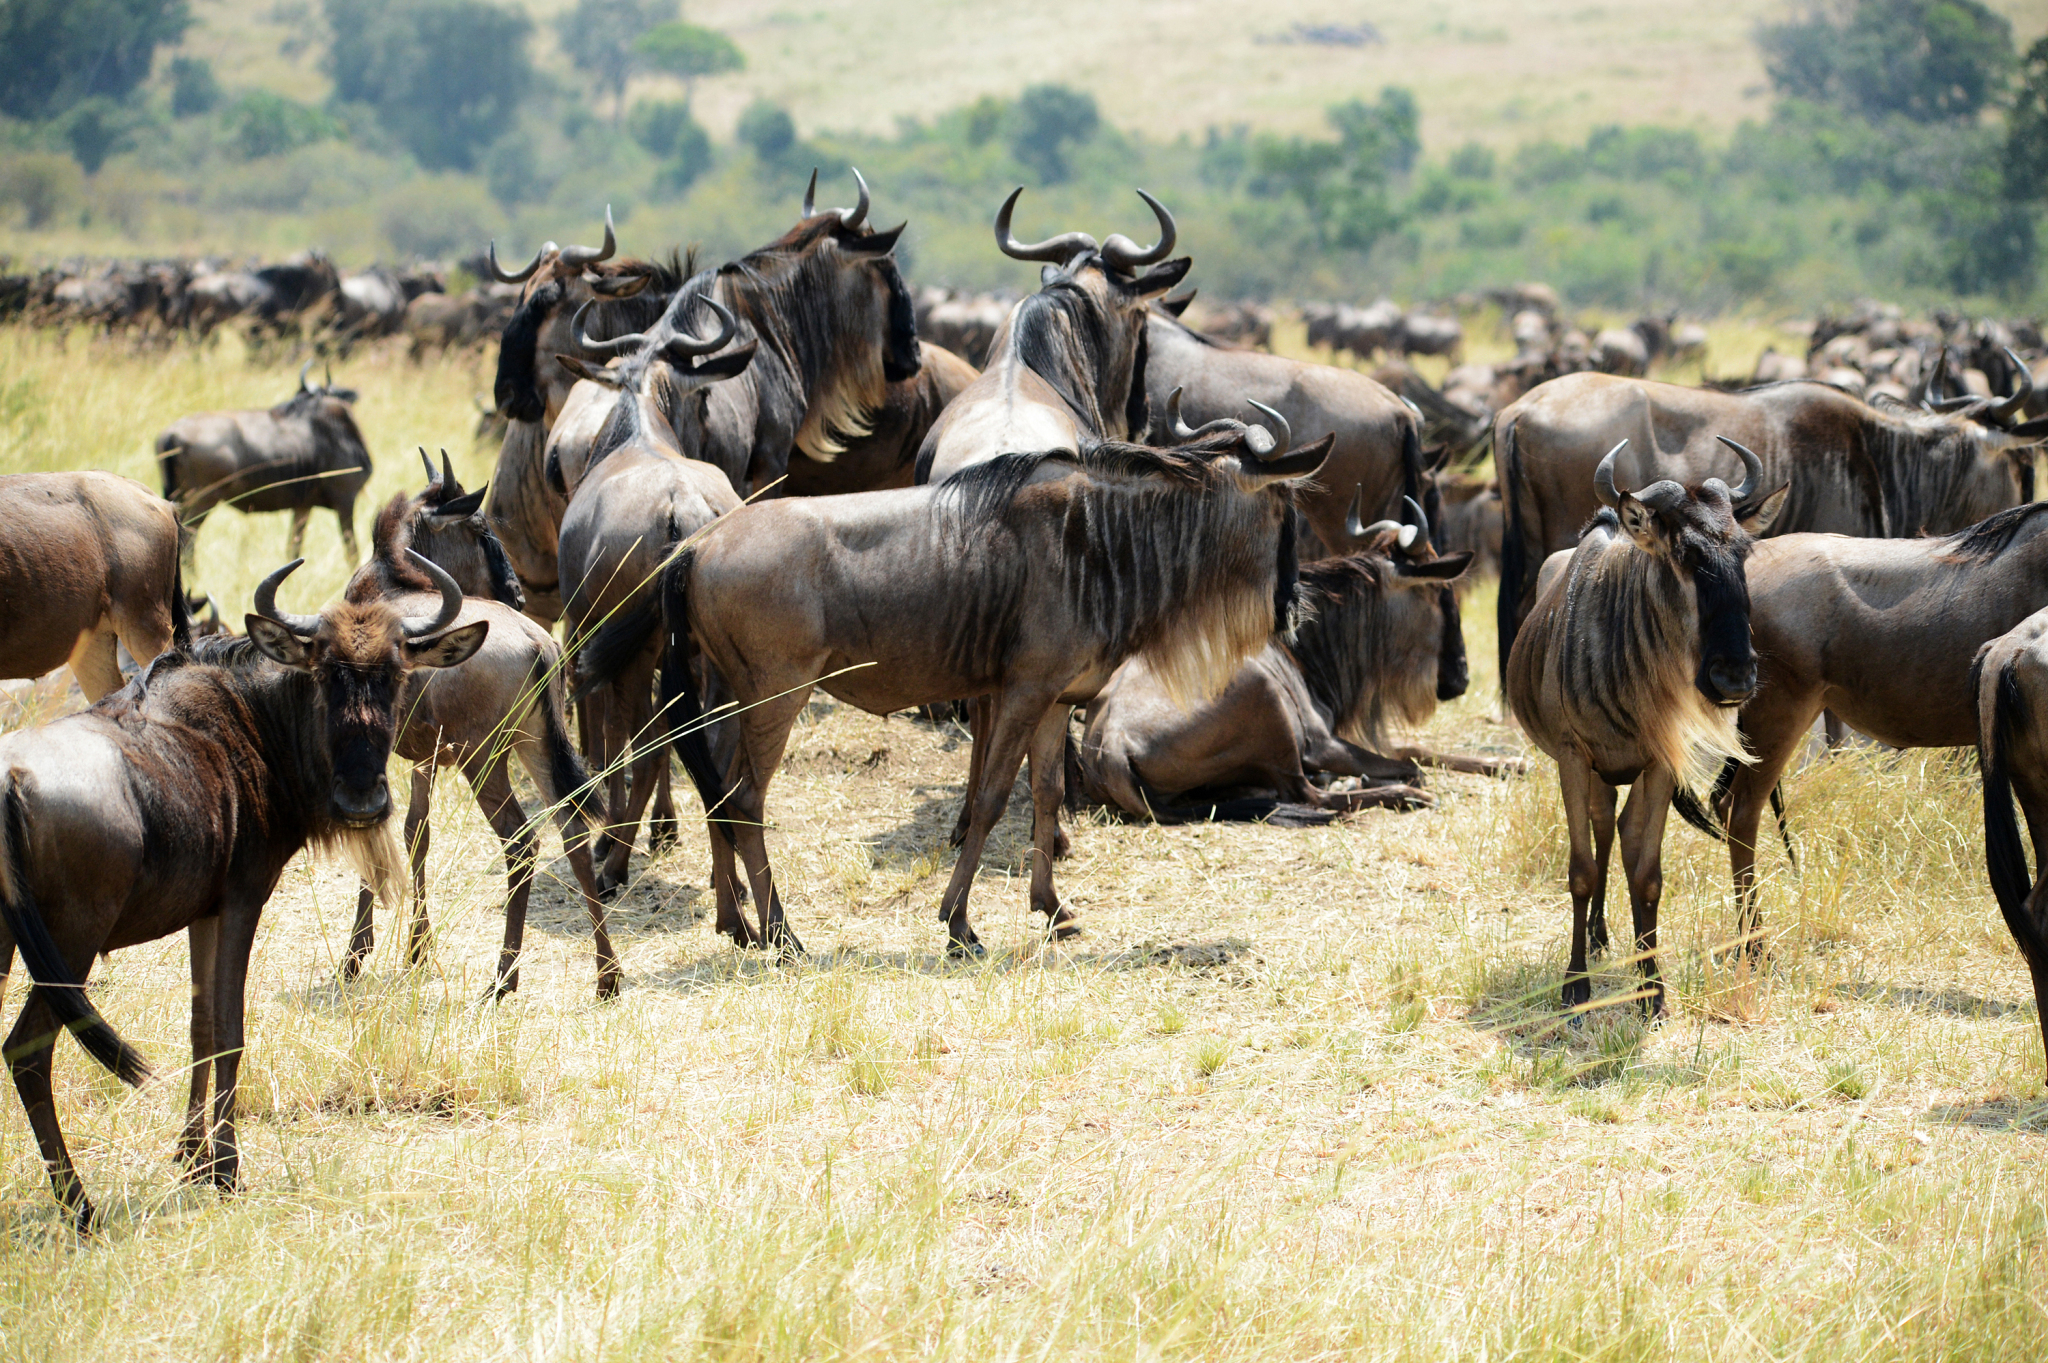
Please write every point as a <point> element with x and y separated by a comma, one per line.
<point>608,985</point>
<point>86,1220</point>
<point>970,950</point>
<point>1578,993</point>
<point>607,887</point>
<point>662,835</point>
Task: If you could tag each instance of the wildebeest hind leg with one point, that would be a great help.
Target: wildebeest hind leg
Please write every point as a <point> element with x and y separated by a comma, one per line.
<point>764,734</point>
<point>664,830</point>
<point>346,519</point>
<point>1012,722</point>
<point>203,936</point>
<point>493,790</point>
<point>1774,725</point>
<point>417,832</point>
<point>29,1051</point>
<point>362,937</point>
<point>1048,787</point>
<point>295,539</point>
<point>978,710</point>
<point>1603,797</point>
<point>1575,779</point>
<point>1642,856</point>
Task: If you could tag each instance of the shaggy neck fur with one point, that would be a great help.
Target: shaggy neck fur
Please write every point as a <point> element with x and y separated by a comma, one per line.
<point>1366,648</point>
<point>1065,335</point>
<point>517,388</point>
<point>336,445</point>
<point>463,550</point>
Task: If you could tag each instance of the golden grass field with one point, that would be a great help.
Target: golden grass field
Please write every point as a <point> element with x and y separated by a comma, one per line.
<point>1293,1095</point>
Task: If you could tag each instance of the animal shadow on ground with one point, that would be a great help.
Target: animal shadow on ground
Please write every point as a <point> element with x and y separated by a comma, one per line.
<point>1993,1114</point>
<point>1227,957</point>
<point>1954,1002</point>
<point>1516,1000</point>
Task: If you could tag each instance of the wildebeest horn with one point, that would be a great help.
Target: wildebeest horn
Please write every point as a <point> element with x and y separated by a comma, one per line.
<point>303,626</point>
<point>1752,470</point>
<point>1603,479</point>
<point>503,276</point>
<point>326,377</point>
<point>1938,380</point>
<point>1181,430</point>
<point>448,479</point>
<point>451,599</point>
<point>1127,255</point>
<point>580,256</point>
<point>1421,521</point>
<point>617,345</point>
<point>682,344</point>
<point>1184,432</point>
<point>2024,389</point>
<point>1054,250</point>
<point>848,217</point>
<point>1282,433</point>
<point>433,478</point>
<point>304,370</point>
<point>1357,529</point>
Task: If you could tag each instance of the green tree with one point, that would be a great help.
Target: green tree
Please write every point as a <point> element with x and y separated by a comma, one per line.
<point>194,90</point>
<point>688,52</point>
<point>1044,122</point>
<point>443,77</point>
<point>600,37</point>
<point>1927,60</point>
<point>265,124</point>
<point>2025,171</point>
<point>55,53</point>
<point>1343,184</point>
<point>767,127</point>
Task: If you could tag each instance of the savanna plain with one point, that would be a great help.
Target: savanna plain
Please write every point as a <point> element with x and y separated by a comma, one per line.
<point>1294,1094</point>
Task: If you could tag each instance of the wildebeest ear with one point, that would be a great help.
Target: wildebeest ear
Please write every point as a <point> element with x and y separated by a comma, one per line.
<point>724,366</point>
<point>1164,279</point>
<point>463,506</point>
<point>449,647</point>
<point>583,369</point>
<point>874,243</point>
<point>1444,567</point>
<point>620,286</point>
<point>1177,307</point>
<point>1640,523</point>
<point>1756,517</point>
<point>277,643</point>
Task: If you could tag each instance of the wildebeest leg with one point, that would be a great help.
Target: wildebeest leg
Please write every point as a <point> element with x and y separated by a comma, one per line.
<point>417,832</point>
<point>204,937</point>
<point>236,933</point>
<point>1475,766</point>
<point>630,699</point>
<point>978,710</point>
<point>611,762</point>
<point>664,829</point>
<point>764,734</point>
<point>1575,779</point>
<point>1602,797</point>
<point>492,787</point>
<point>1048,789</point>
<point>1774,724</point>
<point>94,663</point>
<point>295,540</point>
<point>345,517</point>
<point>1836,731</point>
<point>1642,856</point>
<point>362,937</point>
<point>1399,790</point>
<point>1013,720</point>
<point>576,840</point>
<point>30,1047</point>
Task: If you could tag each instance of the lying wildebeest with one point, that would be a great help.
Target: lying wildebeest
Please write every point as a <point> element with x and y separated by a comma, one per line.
<point>504,700</point>
<point>1029,579</point>
<point>2010,684</point>
<point>303,453</point>
<point>1881,633</point>
<point>1628,671</point>
<point>1379,446</point>
<point>1376,638</point>
<point>88,562</point>
<point>174,804</point>
<point>643,493</point>
<point>1852,469</point>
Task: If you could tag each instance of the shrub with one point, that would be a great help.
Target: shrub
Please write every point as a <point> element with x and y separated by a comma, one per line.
<point>441,215</point>
<point>41,185</point>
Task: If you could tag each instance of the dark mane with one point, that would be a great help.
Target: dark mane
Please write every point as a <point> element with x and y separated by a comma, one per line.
<point>1050,331</point>
<point>985,490</point>
<point>1342,629</point>
<point>1990,537</point>
<point>517,388</point>
<point>389,571</point>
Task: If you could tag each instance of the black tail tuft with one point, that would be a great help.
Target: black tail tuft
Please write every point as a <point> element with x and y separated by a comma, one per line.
<point>566,771</point>
<point>1513,557</point>
<point>181,611</point>
<point>604,653</point>
<point>2005,855</point>
<point>45,962</point>
<point>681,717</point>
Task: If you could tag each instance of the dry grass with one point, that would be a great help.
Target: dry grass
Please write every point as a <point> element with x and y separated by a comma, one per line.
<point>1296,1094</point>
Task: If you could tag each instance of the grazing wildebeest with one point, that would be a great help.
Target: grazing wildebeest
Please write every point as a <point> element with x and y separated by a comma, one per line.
<point>504,700</point>
<point>2010,686</point>
<point>643,493</point>
<point>303,453</point>
<point>1852,469</point>
<point>1881,633</point>
<point>174,804</point>
<point>88,561</point>
<point>1376,639</point>
<point>1379,446</point>
<point>1628,671</point>
<point>1029,579</point>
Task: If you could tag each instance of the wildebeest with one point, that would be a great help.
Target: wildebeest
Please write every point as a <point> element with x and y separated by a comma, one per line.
<point>175,803</point>
<point>1376,639</point>
<point>303,453</point>
<point>1881,633</point>
<point>1852,469</point>
<point>1378,447</point>
<point>2009,681</point>
<point>504,700</point>
<point>88,561</point>
<point>274,297</point>
<point>886,456</point>
<point>1068,366</point>
<point>1471,520</point>
<point>1028,579</point>
<point>644,492</point>
<point>1627,672</point>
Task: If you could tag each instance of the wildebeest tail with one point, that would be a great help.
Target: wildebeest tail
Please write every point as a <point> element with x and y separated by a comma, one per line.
<point>681,716</point>
<point>39,951</point>
<point>566,771</point>
<point>181,610</point>
<point>1514,561</point>
<point>167,451</point>
<point>1702,816</point>
<point>2005,856</point>
<point>605,652</point>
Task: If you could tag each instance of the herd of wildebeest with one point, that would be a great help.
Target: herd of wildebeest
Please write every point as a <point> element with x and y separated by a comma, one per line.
<point>732,486</point>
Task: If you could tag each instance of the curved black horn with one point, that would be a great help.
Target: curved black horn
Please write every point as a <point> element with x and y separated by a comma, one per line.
<point>1937,382</point>
<point>684,345</point>
<point>433,478</point>
<point>503,276</point>
<point>451,600</point>
<point>811,195</point>
<point>1752,470</point>
<point>304,370</point>
<point>617,345</point>
<point>305,626</point>
<point>1421,521</point>
<point>2008,408</point>
<point>1125,254</point>
<point>1603,480</point>
<point>580,256</point>
<point>1053,250</point>
<point>1282,433</point>
<point>448,478</point>
<point>848,217</point>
